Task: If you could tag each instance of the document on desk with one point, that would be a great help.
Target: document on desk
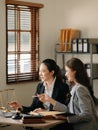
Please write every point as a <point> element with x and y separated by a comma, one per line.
<point>46,113</point>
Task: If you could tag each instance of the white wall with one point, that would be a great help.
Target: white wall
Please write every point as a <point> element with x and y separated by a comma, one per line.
<point>56,14</point>
<point>82,15</point>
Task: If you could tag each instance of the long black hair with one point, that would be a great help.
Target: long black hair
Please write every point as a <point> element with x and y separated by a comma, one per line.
<point>81,73</point>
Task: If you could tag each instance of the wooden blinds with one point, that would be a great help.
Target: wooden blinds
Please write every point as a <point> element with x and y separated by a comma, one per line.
<point>22,43</point>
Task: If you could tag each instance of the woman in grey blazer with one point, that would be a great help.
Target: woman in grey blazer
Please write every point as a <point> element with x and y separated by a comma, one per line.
<point>81,106</point>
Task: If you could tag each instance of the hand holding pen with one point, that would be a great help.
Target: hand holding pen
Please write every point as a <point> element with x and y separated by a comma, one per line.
<point>45,98</point>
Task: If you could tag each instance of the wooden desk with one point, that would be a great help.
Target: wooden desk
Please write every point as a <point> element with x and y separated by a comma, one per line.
<point>47,124</point>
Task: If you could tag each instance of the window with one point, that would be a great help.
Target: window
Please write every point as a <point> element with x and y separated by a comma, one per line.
<point>22,48</point>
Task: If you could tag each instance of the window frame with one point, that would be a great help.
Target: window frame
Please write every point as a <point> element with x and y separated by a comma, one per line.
<point>17,75</point>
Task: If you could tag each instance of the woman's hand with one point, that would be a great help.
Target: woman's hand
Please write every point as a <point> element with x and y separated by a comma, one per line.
<point>60,117</point>
<point>39,110</point>
<point>45,98</point>
<point>15,105</point>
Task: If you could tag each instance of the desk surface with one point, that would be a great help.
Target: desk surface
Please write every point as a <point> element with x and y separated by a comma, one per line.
<point>47,124</point>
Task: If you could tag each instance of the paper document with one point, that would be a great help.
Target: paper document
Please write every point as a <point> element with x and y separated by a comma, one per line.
<point>46,113</point>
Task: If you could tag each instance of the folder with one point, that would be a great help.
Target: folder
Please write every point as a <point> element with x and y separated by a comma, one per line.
<point>85,46</point>
<point>66,37</point>
<point>74,46</point>
<point>62,40</point>
<point>80,45</point>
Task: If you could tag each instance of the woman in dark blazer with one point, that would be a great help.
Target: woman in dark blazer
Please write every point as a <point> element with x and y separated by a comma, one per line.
<point>60,93</point>
<point>52,84</point>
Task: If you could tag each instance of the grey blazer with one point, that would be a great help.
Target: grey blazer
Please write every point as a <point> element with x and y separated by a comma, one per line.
<point>82,105</point>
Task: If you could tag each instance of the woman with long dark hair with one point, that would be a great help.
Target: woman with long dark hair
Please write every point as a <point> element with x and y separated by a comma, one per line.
<point>81,106</point>
<point>51,84</point>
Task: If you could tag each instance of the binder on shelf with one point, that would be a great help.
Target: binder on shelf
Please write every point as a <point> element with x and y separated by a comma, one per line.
<point>94,42</point>
<point>74,46</point>
<point>80,45</point>
<point>94,70</point>
<point>85,45</point>
<point>88,68</point>
<point>95,49</point>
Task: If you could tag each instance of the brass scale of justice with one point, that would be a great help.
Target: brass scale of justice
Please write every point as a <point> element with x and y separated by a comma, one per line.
<point>6,95</point>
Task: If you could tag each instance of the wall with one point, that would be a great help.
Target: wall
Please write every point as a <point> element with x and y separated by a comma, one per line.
<point>56,14</point>
<point>78,14</point>
<point>82,15</point>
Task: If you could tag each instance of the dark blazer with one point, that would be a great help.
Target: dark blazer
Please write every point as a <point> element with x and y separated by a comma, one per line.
<point>60,93</point>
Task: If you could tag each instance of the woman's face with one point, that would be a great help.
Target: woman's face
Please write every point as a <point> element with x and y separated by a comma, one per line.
<point>70,74</point>
<point>44,73</point>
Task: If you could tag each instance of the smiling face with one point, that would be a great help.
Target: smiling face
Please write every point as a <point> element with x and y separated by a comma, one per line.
<point>44,73</point>
<point>70,74</point>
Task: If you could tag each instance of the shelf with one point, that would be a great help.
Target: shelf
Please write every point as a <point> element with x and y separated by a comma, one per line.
<point>92,49</point>
<point>58,49</point>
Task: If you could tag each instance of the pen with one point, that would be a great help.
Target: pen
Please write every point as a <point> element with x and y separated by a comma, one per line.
<point>34,96</point>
